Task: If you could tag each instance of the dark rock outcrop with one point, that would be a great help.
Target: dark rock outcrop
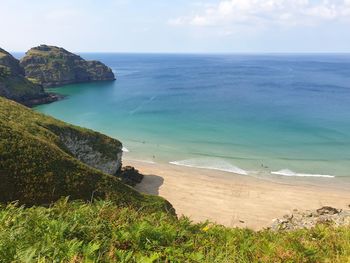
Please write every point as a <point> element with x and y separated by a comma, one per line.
<point>14,85</point>
<point>130,176</point>
<point>54,66</point>
<point>309,219</point>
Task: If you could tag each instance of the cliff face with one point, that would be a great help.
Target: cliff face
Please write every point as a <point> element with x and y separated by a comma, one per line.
<point>15,86</point>
<point>53,66</point>
<point>43,159</point>
<point>93,149</point>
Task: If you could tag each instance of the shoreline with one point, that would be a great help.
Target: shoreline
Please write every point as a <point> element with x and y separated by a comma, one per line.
<point>237,200</point>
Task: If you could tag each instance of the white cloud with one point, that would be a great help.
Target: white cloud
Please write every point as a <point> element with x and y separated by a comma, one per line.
<point>228,13</point>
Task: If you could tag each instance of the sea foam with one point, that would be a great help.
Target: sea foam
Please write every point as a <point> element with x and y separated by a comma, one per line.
<point>141,161</point>
<point>124,149</point>
<point>211,164</point>
<point>286,172</point>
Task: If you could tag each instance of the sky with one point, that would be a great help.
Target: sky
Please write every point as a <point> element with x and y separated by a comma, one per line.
<point>177,26</point>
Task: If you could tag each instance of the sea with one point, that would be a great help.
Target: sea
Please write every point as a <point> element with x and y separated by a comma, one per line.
<point>251,114</point>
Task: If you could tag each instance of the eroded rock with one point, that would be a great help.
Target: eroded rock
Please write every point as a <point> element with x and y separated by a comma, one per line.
<point>84,149</point>
<point>310,218</point>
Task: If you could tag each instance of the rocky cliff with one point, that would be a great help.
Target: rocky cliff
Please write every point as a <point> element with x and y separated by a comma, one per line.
<point>15,86</point>
<point>43,159</point>
<point>54,66</point>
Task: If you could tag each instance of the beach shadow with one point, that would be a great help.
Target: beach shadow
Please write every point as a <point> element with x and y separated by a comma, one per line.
<point>150,184</point>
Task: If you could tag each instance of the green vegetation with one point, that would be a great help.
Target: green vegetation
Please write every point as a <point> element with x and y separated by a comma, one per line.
<point>20,87</point>
<point>37,168</point>
<point>4,72</point>
<point>103,232</point>
<point>13,83</point>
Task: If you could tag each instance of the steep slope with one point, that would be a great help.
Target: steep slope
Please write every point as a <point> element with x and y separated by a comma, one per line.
<point>15,86</point>
<point>53,66</point>
<point>43,159</point>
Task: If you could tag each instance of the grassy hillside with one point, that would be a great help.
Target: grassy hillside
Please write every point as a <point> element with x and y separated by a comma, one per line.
<point>13,84</point>
<point>36,167</point>
<point>103,232</point>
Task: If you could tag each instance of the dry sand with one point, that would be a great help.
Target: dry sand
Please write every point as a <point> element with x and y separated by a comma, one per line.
<point>234,200</point>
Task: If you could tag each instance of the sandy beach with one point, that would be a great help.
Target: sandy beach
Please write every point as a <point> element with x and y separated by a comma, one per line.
<point>235,200</point>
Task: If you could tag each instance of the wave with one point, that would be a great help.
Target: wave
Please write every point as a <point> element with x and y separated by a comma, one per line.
<point>225,156</point>
<point>286,172</point>
<point>141,161</point>
<point>211,164</point>
<point>125,150</point>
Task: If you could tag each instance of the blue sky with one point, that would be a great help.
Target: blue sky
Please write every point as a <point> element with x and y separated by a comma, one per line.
<point>177,25</point>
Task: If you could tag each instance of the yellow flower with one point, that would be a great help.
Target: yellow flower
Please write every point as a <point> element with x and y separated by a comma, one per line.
<point>206,228</point>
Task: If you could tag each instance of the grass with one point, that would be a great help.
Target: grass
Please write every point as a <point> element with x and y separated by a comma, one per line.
<point>104,232</point>
<point>5,72</point>
<point>22,88</point>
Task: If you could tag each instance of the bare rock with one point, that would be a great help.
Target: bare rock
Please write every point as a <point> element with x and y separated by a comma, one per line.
<point>83,150</point>
<point>327,210</point>
<point>309,219</point>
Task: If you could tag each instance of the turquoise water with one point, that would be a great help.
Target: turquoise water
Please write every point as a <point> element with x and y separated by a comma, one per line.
<point>251,114</point>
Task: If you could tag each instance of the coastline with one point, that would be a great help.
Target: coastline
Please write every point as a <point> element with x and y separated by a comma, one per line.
<point>236,200</point>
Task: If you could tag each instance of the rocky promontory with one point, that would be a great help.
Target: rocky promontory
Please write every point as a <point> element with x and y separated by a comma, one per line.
<point>14,85</point>
<point>53,66</point>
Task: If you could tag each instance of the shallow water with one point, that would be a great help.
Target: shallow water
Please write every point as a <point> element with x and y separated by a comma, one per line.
<point>250,114</point>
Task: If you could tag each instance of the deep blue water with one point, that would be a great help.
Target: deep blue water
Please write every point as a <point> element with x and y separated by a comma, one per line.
<point>244,113</point>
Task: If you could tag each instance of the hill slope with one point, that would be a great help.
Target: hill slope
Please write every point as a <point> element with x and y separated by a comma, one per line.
<point>15,86</point>
<point>43,159</point>
<point>54,66</point>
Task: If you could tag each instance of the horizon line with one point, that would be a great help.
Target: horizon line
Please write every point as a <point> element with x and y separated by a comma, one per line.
<point>211,53</point>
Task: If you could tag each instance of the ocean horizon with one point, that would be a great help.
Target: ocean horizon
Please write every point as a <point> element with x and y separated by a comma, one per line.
<point>251,114</point>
